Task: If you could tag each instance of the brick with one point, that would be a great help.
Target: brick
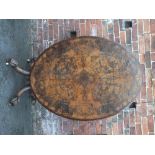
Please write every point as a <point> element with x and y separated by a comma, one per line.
<point>143,91</point>
<point>67,127</point>
<point>104,22</point>
<point>146,25</point>
<point>153,83</point>
<point>85,128</point>
<point>111,37</point>
<point>142,67</point>
<point>117,40</point>
<point>153,43</point>
<point>129,47</point>
<point>132,131</point>
<point>138,98</point>
<point>61,33</point>
<point>121,24</point>
<point>120,116</point>
<point>50,32</point>
<point>71,24</point>
<point>115,128</point>
<point>93,21</point>
<point>120,127</point>
<point>77,27</point>
<point>93,30</point>
<point>135,46</point>
<point>99,127</point>
<point>40,35</point>
<point>45,24</point>
<point>66,22</point>
<point>132,118</point>
<point>152,25</point>
<point>82,20</point>
<point>148,77</point>
<point>140,26</point>
<point>45,34</point>
<point>58,126</point>
<point>75,126</point>
<point>55,32</point>
<point>40,48</point>
<point>104,128</point>
<point>138,116</point>
<point>150,108</point>
<point>105,33</point>
<point>134,32</point>
<point>134,21</point>
<point>39,23</point>
<point>126,119</point>
<point>60,22</point>
<point>110,28</point>
<point>87,27</point>
<point>141,58</point>
<point>126,131</point>
<point>67,29</point>
<point>55,20</point>
<point>76,131</point>
<point>91,128</point>
<point>98,21</point>
<point>147,59</point>
<point>149,94</point>
<point>153,70</point>
<point>122,37</point>
<point>109,131</point>
<point>141,44</point>
<point>99,30</point>
<point>138,129</point>
<point>116,28</point>
<point>143,108</point>
<point>109,126</point>
<point>147,42</point>
<point>114,119</point>
<point>152,56</point>
<point>128,36</point>
<point>50,21</point>
<point>45,44</point>
<point>145,126</point>
<point>120,123</point>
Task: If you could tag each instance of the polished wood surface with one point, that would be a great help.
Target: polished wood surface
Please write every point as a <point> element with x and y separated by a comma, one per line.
<point>86,78</point>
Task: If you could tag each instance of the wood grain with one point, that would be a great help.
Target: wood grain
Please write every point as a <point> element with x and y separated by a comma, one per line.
<point>86,78</point>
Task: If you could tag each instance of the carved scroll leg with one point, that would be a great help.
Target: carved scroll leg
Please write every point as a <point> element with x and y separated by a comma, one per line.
<point>16,100</point>
<point>13,63</point>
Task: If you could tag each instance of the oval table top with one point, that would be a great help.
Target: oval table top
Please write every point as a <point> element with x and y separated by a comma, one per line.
<point>86,78</point>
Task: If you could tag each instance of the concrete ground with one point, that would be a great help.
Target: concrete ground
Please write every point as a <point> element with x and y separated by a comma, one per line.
<point>14,42</point>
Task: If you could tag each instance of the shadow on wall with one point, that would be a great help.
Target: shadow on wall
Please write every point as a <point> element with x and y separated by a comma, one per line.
<point>14,43</point>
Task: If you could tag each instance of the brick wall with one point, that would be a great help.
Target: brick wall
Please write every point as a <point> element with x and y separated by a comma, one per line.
<point>140,40</point>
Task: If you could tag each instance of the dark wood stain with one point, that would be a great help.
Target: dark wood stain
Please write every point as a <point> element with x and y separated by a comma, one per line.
<point>86,78</point>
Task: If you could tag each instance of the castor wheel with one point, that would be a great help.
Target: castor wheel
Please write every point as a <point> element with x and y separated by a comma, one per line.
<point>14,101</point>
<point>11,62</point>
<point>31,60</point>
